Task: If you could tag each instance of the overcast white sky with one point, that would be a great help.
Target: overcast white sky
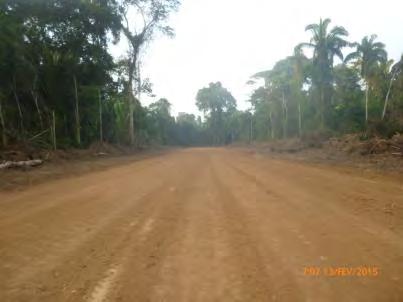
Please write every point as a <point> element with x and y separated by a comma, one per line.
<point>229,40</point>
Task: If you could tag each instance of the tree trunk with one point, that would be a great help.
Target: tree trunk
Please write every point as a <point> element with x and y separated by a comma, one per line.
<point>271,124</point>
<point>299,119</point>
<point>130,99</point>
<point>77,113</point>
<point>138,76</point>
<point>136,40</point>
<point>322,108</point>
<point>131,115</point>
<point>366,102</point>
<point>17,100</point>
<point>285,120</point>
<point>3,127</point>
<point>387,96</point>
<point>53,128</point>
<point>35,97</point>
<point>251,128</point>
<point>101,136</point>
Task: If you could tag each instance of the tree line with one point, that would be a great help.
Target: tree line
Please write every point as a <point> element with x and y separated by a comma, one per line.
<point>60,86</point>
<point>330,92</point>
<point>323,94</point>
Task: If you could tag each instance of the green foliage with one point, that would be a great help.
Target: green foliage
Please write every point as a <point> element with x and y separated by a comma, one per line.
<point>188,130</point>
<point>161,122</point>
<point>326,44</point>
<point>218,105</point>
<point>54,57</point>
<point>55,61</point>
<point>304,95</point>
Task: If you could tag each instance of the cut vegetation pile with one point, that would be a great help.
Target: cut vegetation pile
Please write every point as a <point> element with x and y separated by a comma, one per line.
<point>349,144</point>
<point>354,143</point>
<point>351,149</point>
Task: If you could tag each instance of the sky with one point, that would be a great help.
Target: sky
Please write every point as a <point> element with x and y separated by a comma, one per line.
<point>230,40</point>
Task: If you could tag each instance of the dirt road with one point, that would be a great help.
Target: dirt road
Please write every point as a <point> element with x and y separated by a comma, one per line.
<point>204,225</point>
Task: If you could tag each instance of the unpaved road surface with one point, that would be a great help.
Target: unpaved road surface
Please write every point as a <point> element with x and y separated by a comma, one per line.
<point>204,225</point>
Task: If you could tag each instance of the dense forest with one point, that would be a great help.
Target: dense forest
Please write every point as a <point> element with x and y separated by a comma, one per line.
<point>60,86</point>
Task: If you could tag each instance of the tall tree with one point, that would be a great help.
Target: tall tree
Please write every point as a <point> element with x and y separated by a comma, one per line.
<point>300,64</point>
<point>396,70</point>
<point>281,77</point>
<point>368,55</point>
<point>147,17</point>
<point>216,102</point>
<point>262,100</point>
<point>326,44</point>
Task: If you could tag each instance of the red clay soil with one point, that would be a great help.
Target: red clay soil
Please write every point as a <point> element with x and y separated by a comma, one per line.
<point>204,225</point>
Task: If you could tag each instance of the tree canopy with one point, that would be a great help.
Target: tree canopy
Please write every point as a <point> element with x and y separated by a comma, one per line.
<point>60,86</point>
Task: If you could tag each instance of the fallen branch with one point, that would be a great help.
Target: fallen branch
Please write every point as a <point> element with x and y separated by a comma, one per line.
<point>19,164</point>
<point>38,135</point>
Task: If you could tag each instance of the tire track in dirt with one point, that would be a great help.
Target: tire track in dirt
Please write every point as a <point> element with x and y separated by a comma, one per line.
<point>17,207</point>
<point>92,247</point>
<point>199,225</point>
<point>117,225</point>
<point>148,263</point>
<point>314,194</point>
<point>101,290</point>
<point>324,233</point>
<point>260,263</point>
<point>79,225</point>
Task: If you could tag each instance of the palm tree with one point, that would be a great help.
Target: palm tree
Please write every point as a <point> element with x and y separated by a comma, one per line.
<point>368,55</point>
<point>325,44</point>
